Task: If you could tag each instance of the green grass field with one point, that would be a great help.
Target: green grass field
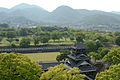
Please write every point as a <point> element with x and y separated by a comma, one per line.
<point>43,57</point>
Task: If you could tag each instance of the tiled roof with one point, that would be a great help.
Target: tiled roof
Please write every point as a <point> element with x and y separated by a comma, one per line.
<point>46,65</point>
<point>79,46</point>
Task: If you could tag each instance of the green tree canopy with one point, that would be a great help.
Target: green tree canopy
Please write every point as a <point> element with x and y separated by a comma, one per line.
<point>72,38</point>
<point>94,55</point>
<point>10,40</point>
<point>101,52</point>
<point>91,46</point>
<point>98,44</point>
<point>11,34</point>
<point>23,32</point>
<point>18,67</point>
<point>101,38</point>
<point>113,57</point>
<point>36,40</point>
<point>25,42</point>
<point>113,73</point>
<point>4,25</point>
<point>79,39</point>
<point>60,72</point>
<point>65,34</point>
<point>1,39</point>
<point>117,40</point>
<point>63,55</point>
<point>55,35</point>
<point>116,33</point>
<point>44,39</point>
<point>80,34</point>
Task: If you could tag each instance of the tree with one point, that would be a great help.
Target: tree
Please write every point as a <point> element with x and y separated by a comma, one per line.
<point>65,35</point>
<point>17,40</point>
<point>94,55</point>
<point>41,34</point>
<point>18,67</point>
<point>44,39</point>
<point>101,38</point>
<point>1,39</point>
<point>36,40</point>
<point>55,35</point>
<point>79,39</point>
<point>13,45</point>
<point>116,33</point>
<point>91,46</point>
<point>117,40</point>
<point>59,58</point>
<point>3,33</point>
<point>102,51</point>
<point>113,57</point>
<point>11,34</point>
<point>72,38</point>
<point>80,34</point>
<point>10,40</point>
<point>98,44</point>
<point>23,32</point>
<point>4,25</point>
<point>63,55</point>
<point>60,72</point>
<point>113,73</point>
<point>25,42</point>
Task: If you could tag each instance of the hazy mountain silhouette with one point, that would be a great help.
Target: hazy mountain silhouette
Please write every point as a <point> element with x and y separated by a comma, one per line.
<point>62,15</point>
<point>3,9</point>
<point>31,12</point>
<point>100,19</point>
<point>23,6</point>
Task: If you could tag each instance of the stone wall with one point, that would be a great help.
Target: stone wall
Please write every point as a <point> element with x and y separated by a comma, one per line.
<point>52,48</point>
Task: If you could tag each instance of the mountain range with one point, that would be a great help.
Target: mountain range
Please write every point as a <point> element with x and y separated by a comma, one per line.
<point>24,15</point>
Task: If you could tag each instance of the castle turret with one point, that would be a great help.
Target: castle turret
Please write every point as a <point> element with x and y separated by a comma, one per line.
<point>79,58</point>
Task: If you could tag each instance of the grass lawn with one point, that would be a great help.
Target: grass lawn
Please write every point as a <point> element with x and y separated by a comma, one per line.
<point>43,57</point>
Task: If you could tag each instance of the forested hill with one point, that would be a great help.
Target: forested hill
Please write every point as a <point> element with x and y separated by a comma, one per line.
<point>32,15</point>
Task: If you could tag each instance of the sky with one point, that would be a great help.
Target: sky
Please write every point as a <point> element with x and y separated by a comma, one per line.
<point>50,5</point>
